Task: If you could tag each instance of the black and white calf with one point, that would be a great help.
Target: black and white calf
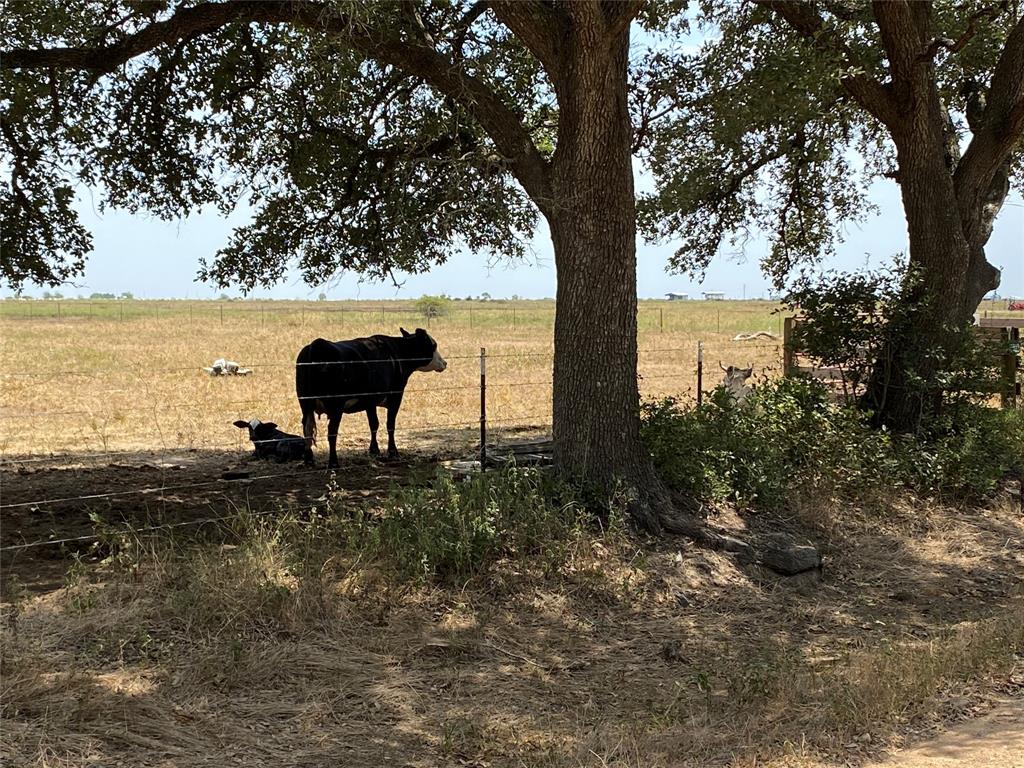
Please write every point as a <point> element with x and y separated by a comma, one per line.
<point>338,377</point>
<point>271,443</point>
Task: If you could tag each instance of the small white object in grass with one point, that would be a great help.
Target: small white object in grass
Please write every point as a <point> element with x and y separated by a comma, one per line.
<point>223,367</point>
<point>755,335</point>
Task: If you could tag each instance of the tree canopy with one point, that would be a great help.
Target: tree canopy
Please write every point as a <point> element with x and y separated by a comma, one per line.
<point>347,146</point>
<point>787,113</point>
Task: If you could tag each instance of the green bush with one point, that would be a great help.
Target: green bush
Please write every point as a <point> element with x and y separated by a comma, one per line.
<point>450,531</point>
<point>788,435</point>
<point>433,306</point>
<point>867,325</point>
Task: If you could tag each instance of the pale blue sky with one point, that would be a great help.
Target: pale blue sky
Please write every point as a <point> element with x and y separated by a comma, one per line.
<point>155,259</point>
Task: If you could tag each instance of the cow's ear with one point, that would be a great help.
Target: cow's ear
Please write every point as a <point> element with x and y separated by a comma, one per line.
<point>421,332</point>
<point>405,332</point>
<point>242,424</point>
<point>269,425</point>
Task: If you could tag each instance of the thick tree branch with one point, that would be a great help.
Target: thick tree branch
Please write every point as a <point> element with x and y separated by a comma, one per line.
<point>539,26</point>
<point>997,133</point>
<point>186,22</point>
<point>904,30</point>
<point>619,14</point>
<point>503,124</point>
<point>872,95</point>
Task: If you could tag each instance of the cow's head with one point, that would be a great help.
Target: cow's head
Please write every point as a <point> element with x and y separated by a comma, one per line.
<point>735,380</point>
<point>259,431</point>
<point>425,347</point>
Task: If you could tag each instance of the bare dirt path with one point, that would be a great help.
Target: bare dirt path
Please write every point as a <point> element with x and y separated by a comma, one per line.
<point>994,740</point>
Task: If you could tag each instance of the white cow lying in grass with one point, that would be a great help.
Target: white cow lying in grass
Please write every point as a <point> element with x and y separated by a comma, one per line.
<point>222,367</point>
<point>735,381</point>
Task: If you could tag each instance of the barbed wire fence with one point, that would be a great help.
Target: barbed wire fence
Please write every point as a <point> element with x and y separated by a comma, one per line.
<point>493,429</point>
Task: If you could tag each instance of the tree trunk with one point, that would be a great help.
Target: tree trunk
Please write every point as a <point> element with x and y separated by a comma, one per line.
<point>948,272</point>
<point>592,219</point>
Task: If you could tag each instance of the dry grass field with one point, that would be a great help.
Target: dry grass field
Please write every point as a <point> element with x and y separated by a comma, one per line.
<point>108,377</point>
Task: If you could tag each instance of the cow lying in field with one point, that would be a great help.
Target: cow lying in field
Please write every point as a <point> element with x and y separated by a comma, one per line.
<point>271,443</point>
<point>338,377</point>
<point>735,381</point>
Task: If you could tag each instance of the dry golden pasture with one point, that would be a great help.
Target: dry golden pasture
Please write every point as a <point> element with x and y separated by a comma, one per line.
<point>116,376</point>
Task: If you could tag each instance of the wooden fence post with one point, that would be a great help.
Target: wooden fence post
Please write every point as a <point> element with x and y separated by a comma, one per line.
<point>788,353</point>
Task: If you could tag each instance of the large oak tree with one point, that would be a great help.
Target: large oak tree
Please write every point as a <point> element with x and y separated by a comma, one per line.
<point>367,136</point>
<point>791,109</point>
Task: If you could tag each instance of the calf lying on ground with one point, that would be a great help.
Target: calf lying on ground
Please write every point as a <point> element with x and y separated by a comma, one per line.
<point>271,443</point>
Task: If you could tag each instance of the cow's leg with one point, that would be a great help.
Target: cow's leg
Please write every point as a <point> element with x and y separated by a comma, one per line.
<point>393,405</point>
<point>333,425</point>
<point>308,432</point>
<point>371,418</point>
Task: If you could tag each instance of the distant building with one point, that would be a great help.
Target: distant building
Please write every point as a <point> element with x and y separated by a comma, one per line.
<point>677,296</point>
<point>713,296</point>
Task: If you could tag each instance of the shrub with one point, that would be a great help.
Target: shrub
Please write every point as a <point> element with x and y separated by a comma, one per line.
<point>855,321</point>
<point>433,306</point>
<point>451,530</point>
<point>788,435</point>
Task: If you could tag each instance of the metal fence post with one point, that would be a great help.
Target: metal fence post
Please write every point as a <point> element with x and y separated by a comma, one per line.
<point>58,310</point>
<point>700,372</point>
<point>120,310</point>
<point>661,318</point>
<point>483,408</point>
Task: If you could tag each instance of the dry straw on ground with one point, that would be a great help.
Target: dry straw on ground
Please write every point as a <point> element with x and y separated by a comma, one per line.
<point>662,657</point>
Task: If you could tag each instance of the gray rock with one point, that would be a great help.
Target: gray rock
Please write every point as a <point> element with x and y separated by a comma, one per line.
<point>790,559</point>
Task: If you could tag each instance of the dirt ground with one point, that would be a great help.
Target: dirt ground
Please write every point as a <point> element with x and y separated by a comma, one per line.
<point>994,740</point>
<point>661,654</point>
<point>62,498</point>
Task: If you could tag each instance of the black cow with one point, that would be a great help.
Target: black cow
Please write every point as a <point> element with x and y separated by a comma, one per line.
<point>336,377</point>
<point>271,443</point>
